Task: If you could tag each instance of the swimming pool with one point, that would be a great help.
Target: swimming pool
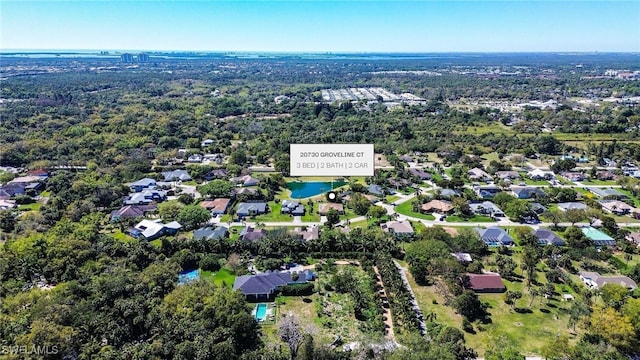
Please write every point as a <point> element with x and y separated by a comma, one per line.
<point>303,189</point>
<point>261,312</point>
<point>186,277</point>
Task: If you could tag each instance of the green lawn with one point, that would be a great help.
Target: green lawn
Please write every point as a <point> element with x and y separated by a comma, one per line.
<point>474,218</point>
<point>120,236</point>
<point>418,227</point>
<point>30,207</point>
<point>392,198</point>
<point>220,277</point>
<point>273,215</point>
<point>636,201</point>
<point>406,209</point>
<point>311,216</point>
<point>599,182</point>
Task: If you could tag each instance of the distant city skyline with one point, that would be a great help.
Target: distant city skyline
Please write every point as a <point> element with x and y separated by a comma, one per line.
<point>322,26</point>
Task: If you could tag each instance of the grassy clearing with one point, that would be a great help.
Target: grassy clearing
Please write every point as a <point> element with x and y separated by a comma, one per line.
<point>311,215</point>
<point>392,198</point>
<point>221,277</point>
<point>528,331</point>
<point>599,182</point>
<point>337,315</point>
<point>30,207</point>
<point>407,209</point>
<point>120,236</point>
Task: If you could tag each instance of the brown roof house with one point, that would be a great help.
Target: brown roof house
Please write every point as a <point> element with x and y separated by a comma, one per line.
<point>439,206</point>
<point>216,206</point>
<point>486,283</point>
<point>324,208</point>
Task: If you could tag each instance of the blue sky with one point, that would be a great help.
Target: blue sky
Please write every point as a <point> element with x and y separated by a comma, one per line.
<point>336,26</point>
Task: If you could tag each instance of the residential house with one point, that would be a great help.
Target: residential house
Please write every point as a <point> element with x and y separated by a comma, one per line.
<point>210,233</point>
<point>594,280</point>
<point>209,158</point>
<point>598,237</point>
<point>609,193</point>
<point>421,174</point>
<point>246,180</point>
<point>462,257</point>
<point>406,158</point>
<point>216,206</point>
<point>537,174</point>
<point>261,286</point>
<point>439,206</point>
<point>605,175</point>
<point>616,207</point>
<point>527,192</point>
<point>487,192</point>
<point>548,237</point>
<point>477,174</point>
<point>4,195</point>
<point>132,211</point>
<point>571,206</point>
<point>486,208</point>
<point>398,184</point>
<point>308,233</point>
<point>324,208</point>
<point>153,229</point>
<point>609,163</point>
<point>537,208</point>
<point>145,197</point>
<point>486,283</point>
<point>375,189</point>
<point>494,236</point>
<point>194,158</point>
<point>245,209</point>
<point>13,189</point>
<point>292,207</point>
<point>634,238</point>
<point>372,198</point>
<point>41,173</point>
<point>573,175</point>
<point>246,191</point>
<point>250,233</point>
<point>206,143</point>
<point>448,193</point>
<point>398,228</point>
<point>508,175</point>
<point>216,174</point>
<point>7,204</point>
<point>176,175</point>
<point>142,184</point>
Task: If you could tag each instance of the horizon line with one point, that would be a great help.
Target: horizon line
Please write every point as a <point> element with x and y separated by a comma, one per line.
<point>53,51</point>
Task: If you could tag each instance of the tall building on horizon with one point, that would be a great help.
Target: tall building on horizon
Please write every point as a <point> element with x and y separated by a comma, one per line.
<point>126,58</point>
<point>143,58</point>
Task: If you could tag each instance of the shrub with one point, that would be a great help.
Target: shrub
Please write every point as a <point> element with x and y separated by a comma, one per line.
<point>209,263</point>
<point>298,289</point>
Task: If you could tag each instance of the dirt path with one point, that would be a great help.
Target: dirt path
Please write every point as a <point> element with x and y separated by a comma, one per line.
<point>388,322</point>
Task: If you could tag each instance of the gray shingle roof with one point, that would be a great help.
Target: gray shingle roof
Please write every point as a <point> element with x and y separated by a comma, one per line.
<point>261,284</point>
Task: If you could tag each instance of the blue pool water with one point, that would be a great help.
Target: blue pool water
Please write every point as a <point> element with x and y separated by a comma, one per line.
<point>303,189</point>
<point>261,312</point>
<point>186,277</point>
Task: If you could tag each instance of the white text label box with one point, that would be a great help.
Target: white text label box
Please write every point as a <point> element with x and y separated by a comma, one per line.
<point>331,159</point>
